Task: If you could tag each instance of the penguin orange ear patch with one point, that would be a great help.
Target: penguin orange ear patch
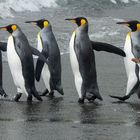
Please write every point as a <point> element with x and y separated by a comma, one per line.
<point>138,26</point>
<point>83,21</point>
<point>45,23</point>
<point>14,27</point>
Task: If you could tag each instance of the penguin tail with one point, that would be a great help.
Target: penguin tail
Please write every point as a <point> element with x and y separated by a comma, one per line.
<point>92,96</point>
<point>60,90</point>
<point>121,98</point>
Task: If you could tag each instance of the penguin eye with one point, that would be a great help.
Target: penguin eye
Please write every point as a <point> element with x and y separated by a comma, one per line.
<point>14,27</point>
<point>138,26</point>
<point>45,23</point>
<point>83,21</point>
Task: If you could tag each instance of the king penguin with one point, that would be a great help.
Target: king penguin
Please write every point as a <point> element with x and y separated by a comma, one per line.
<point>20,60</point>
<point>2,48</point>
<point>83,60</point>
<point>48,46</point>
<point>132,50</point>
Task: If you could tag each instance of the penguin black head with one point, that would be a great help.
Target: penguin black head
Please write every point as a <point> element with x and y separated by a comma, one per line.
<point>10,28</point>
<point>134,25</point>
<point>79,20</point>
<point>42,23</point>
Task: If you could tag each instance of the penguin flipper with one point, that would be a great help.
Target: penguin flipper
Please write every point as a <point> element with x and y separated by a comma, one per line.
<point>3,46</point>
<point>100,46</point>
<point>40,55</point>
<point>39,66</point>
<point>121,98</point>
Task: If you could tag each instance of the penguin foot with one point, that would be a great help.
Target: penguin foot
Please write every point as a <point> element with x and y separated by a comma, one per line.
<point>81,101</point>
<point>29,98</point>
<point>120,98</point>
<point>45,92</point>
<point>91,99</point>
<point>17,97</point>
<point>37,96</point>
<point>51,94</point>
<point>2,93</point>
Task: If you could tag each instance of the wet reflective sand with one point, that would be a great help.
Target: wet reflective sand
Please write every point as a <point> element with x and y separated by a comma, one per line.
<point>62,118</point>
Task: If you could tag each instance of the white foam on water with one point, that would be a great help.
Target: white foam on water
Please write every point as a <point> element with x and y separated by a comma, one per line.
<point>113,1</point>
<point>7,6</point>
<point>124,1</point>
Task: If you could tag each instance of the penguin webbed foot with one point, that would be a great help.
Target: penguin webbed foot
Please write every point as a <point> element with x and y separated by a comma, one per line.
<point>29,98</point>
<point>45,92</point>
<point>36,95</point>
<point>51,94</point>
<point>120,98</point>
<point>17,97</point>
<point>81,100</point>
<point>91,100</point>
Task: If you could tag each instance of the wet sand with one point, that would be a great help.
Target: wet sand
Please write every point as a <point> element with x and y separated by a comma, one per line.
<point>62,118</point>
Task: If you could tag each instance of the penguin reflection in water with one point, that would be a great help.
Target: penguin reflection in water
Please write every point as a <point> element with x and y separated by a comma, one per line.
<point>48,46</point>
<point>132,59</point>
<point>83,60</point>
<point>20,59</point>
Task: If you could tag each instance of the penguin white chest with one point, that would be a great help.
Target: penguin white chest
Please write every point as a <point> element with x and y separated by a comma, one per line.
<point>45,70</point>
<point>129,65</point>
<point>15,64</point>
<point>75,66</point>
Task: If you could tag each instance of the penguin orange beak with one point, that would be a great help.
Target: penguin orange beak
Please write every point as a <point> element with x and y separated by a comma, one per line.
<point>3,28</point>
<point>32,22</point>
<point>72,20</point>
<point>123,23</point>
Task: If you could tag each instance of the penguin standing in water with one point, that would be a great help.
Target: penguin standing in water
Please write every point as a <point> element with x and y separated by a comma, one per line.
<point>132,50</point>
<point>83,60</point>
<point>20,59</point>
<point>2,48</point>
<point>48,46</point>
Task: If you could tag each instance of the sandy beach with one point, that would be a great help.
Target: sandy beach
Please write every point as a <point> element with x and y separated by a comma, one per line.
<point>62,118</point>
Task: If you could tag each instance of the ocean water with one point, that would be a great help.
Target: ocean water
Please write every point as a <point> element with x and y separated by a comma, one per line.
<point>101,14</point>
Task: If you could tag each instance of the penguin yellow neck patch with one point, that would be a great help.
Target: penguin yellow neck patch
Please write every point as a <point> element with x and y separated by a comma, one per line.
<point>14,27</point>
<point>129,34</point>
<point>45,23</point>
<point>83,22</point>
<point>138,26</point>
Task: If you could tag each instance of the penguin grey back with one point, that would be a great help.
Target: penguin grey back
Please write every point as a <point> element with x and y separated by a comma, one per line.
<point>86,59</point>
<point>50,46</point>
<point>23,50</point>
